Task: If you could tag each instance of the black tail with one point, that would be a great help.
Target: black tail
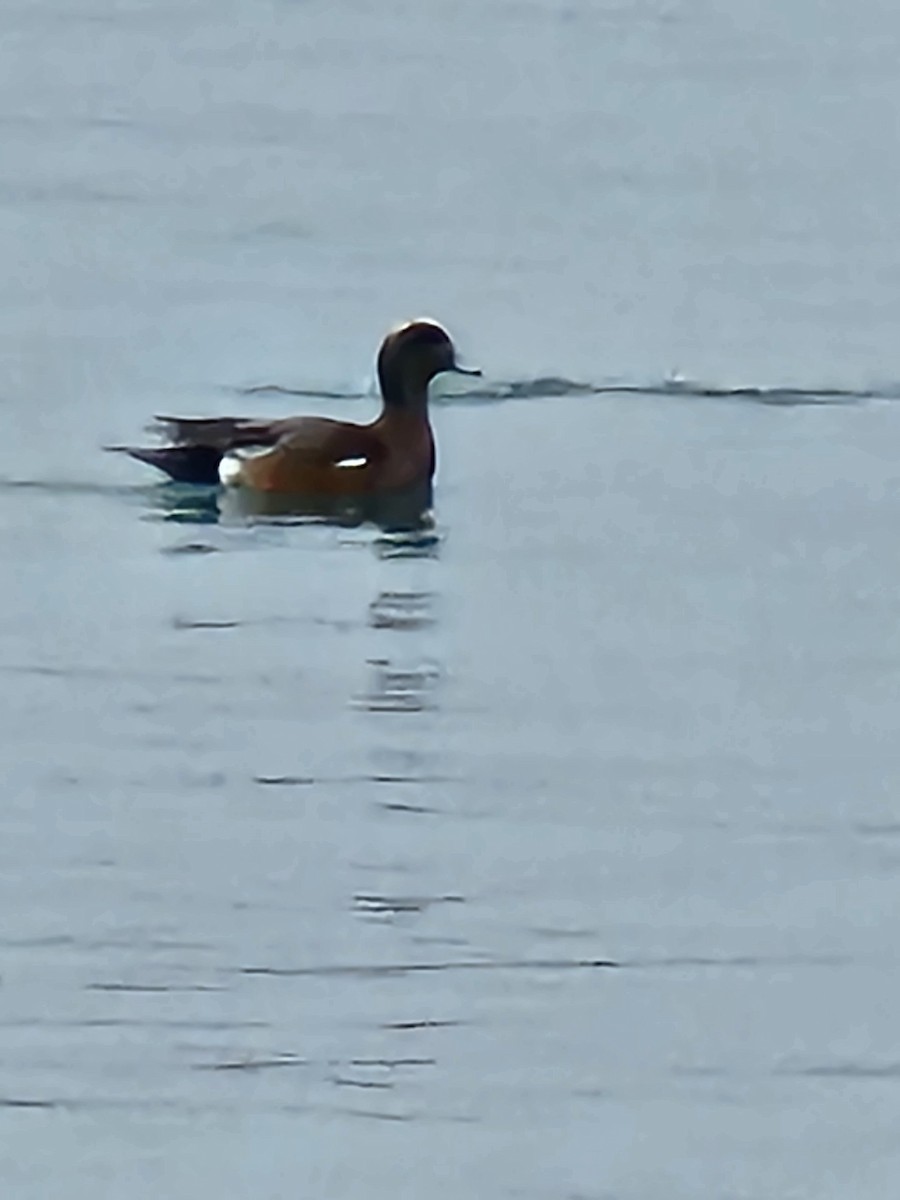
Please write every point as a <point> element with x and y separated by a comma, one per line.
<point>184,464</point>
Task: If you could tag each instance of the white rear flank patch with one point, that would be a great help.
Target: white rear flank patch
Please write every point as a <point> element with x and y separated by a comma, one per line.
<point>230,471</point>
<point>231,465</point>
<point>351,462</point>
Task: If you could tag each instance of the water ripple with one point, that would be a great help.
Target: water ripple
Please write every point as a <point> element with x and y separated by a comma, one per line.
<point>889,1070</point>
<point>560,386</point>
<point>373,970</point>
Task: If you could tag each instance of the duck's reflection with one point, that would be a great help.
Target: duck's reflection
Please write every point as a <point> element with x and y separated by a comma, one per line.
<point>396,688</point>
<point>401,610</point>
<point>404,682</point>
<point>400,514</point>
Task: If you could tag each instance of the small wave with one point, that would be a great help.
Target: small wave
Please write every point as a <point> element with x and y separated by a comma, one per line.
<point>846,1070</point>
<point>771,394</point>
<point>279,389</point>
<point>376,970</point>
<point>67,487</point>
<point>545,387</point>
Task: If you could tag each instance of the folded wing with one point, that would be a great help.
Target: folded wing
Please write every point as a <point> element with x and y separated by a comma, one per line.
<point>301,444</point>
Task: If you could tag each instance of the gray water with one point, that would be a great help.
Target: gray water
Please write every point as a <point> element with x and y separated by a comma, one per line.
<point>552,852</point>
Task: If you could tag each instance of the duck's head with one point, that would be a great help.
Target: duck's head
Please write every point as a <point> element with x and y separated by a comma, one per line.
<point>410,357</point>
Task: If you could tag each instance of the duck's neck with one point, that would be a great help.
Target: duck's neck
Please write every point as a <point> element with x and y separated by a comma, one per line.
<point>403,391</point>
<point>403,420</point>
<point>407,429</point>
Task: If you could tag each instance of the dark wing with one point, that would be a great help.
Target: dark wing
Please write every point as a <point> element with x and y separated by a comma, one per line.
<point>322,442</point>
<point>198,444</point>
<point>184,464</point>
<point>220,433</point>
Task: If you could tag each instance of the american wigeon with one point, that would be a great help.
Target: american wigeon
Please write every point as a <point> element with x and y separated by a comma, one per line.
<point>318,456</point>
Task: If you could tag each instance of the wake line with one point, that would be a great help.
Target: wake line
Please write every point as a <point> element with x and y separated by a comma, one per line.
<point>553,386</point>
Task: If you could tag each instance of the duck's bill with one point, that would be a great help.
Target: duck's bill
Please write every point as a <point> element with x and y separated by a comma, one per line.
<point>459,369</point>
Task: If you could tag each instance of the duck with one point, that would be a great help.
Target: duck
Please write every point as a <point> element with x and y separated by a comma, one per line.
<point>321,456</point>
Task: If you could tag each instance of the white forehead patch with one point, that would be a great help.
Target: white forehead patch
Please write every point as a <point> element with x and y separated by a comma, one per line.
<point>404,325</point>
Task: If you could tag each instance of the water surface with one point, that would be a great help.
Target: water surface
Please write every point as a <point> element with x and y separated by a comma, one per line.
<point>551,851</point>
